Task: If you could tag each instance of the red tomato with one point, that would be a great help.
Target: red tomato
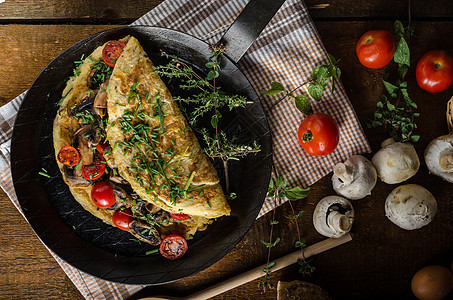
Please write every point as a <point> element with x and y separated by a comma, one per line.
<point>375,48</point>
<point>122,218</point>
<point>112,50</point>
<point>319,134</point>
<point>68,155</point>
<point>180,216</point>
<point>100,148</point>
<point>102,194</point>
<point>173,247</point>
<point>95,170</point>
<point>434,71</point>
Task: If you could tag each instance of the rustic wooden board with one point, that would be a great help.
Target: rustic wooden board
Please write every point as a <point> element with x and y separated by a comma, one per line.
<point>125,11</point>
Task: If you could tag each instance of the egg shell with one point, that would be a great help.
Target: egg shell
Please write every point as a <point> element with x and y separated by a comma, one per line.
<point>432,283</point>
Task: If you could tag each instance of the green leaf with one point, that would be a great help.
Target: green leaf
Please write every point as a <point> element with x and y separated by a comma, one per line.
<point>331,71</point>
<point>300,244</point>
<point>402,53</point>
<point>296,193</point>
<point>391,89</point>
<point>270,245</point>
<point>315,90</point>
<point>379,104</point>
<point>298,216</point>
<point>402,70</point>
<point>215,119</point>
<point>377,115</point>
<point>332,59</point>
<point>274,222</point>
<point>212,74</point>
<point>390,106</point>
<point>399,28</point>
<point>209,64</point>
<point>338,73</point>
<point>276,88</point>
<point>319,72</point>
<point>415,138</point>
<point>303,104</point>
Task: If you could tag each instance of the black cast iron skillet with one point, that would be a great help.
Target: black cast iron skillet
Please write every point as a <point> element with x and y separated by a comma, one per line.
<point>101,250</point>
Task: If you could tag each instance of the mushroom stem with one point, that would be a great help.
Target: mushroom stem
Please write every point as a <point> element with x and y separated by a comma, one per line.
<point>446,161</point>
<point>344,173</point>
<point>338,222</point>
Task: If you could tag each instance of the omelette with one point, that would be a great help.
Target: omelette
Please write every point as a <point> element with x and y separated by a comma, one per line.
<point>127,153</point>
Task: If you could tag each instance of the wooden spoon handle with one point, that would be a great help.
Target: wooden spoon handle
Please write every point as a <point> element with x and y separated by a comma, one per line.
<point>279,264</point>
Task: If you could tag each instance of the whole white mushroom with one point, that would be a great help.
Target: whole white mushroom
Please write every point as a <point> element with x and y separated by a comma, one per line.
<point>439,153</point>
<point>333,216</point>
<point>396,162</point>
<point>410,206</point>
<point>355,178</point>
<point>439,157</point>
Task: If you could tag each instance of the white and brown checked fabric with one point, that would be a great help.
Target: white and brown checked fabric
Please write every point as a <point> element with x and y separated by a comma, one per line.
<point>286,51</point>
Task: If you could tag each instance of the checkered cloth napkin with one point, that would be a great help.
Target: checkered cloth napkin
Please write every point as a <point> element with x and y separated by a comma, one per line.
<point>287,51</point>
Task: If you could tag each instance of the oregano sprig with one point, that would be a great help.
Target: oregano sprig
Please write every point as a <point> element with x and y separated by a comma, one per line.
<point>278,189</point>
<point>396,109</point>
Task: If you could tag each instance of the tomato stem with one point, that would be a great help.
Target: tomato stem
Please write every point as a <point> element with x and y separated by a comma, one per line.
<point>437,66</point>
<point>307,137</point>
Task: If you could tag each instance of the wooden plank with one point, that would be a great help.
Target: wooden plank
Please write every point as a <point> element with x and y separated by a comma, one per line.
<point>125,11</point>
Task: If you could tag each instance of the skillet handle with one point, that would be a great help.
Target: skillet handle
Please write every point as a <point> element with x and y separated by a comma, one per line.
<point>248,26</point>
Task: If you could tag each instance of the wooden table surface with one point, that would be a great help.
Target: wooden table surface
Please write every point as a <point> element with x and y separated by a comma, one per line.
<point>381,259</point>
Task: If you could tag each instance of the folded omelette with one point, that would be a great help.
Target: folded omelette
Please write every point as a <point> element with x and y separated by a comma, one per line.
<point>118,129</point>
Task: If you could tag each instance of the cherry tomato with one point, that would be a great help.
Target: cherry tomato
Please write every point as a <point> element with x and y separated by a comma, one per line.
<point>100,148</point>
<point>180,216</point>
<point>122,218</point>
<point>68,155</point>
<point>434,71</point>
<point>102,194</point>
<point>95,170</point>
<point>375,48</point>
<point>319,134</point>
<point>173,247</point>
<point>112,50</point>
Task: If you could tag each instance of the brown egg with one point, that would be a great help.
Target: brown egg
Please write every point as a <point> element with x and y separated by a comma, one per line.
<point>432,283</point>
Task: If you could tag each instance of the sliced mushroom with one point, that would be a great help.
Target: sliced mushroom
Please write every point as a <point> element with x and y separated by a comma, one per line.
<point>396,162</point>
<point>439,157</point>
<point>84,139</point>
<point>71,178</point>
<point>85,104</point>
<point>145,232</point>
<point>116,178</point>
<point>355,178</point>
<point>100,102</point>
<point>333,216</point>
<point>91,82</point>
<point>410,206</point>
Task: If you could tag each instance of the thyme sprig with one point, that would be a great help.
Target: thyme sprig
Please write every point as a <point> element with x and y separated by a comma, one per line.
<point>206,101</point>
<point>396,109</point>
<point>321,77</point>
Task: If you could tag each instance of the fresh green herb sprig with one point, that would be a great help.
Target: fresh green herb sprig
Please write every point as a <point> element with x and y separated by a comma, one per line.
<point>278,189</point>
<point>396,110</point>
<point>321,77</point>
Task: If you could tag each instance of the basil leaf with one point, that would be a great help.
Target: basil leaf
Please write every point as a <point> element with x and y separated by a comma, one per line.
<point>391,89</point>
<point>276,87</point>
<point>315,90</point>
<point>402,54</point>
<point>297,193</point>
<point>398,28</point>
<point>303,104</point>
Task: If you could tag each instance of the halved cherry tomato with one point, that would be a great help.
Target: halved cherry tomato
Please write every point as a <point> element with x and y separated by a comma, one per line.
<point>95,170</point>
<point>319,134</point>
<point>180,216</point>
<point>68,155</point>
<point>434,71</point>
<point>375,48</point>
<point>173,247</point>
<point>101,147</point>
<point>102,194</point>
<point>122,218</point>
<point>112,50</point>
